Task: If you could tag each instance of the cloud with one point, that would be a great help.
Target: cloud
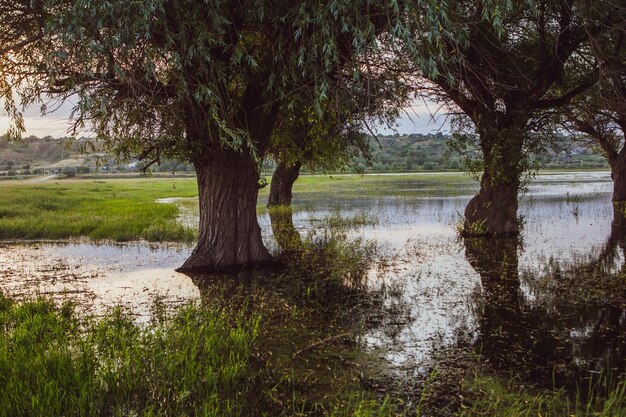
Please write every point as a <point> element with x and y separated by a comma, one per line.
<point>40,126</point>
<point>420,117</point>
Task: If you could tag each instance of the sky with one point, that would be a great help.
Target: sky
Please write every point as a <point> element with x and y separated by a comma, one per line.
<point>419,118</point>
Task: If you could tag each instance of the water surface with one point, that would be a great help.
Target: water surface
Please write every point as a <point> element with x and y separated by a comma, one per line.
<point>520,302</point>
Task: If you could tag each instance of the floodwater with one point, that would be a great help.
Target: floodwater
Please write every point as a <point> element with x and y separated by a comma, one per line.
<point>542,304</point>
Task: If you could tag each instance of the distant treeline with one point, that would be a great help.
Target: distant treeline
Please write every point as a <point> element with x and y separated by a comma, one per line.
<point>431,152</point>
<point>388,153</point>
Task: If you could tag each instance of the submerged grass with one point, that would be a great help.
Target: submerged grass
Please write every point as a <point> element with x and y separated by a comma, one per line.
<point>464,384</point>
<point>338,221</point>
<point>493,397</point>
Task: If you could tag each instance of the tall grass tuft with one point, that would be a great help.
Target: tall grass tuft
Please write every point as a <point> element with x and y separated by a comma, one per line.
<point>491,397</point>
<point>193,362</point>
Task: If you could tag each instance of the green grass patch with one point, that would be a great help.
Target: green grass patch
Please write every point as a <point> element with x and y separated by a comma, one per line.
<point>193,362</point>
<point>202,359</point>
<point>126,209</point>
<point>120,210</point>
<point>494,397</point>
<point>372,185</point>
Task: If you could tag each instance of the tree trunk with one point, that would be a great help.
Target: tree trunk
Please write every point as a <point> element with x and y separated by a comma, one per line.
<point>618,175</point>
<point>282,184</point>
<point>229,236</point>
<point>493,211</point>
<point>285,233</point>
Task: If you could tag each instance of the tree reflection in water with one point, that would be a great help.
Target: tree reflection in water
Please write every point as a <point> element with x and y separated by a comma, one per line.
<point>564,325</point>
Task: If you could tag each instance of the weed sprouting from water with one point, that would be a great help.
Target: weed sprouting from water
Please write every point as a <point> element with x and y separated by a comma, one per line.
<point>338,221</point>
<point>490,396</point>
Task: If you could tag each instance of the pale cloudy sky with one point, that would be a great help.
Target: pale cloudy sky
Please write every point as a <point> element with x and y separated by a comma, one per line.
<point>420,118</point>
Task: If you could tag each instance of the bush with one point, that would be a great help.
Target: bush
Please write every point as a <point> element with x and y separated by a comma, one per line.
<point>429,165</point>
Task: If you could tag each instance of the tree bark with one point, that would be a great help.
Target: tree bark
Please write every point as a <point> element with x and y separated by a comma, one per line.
<point>229,236</point>
<point>618,175</point>
<point>493,211</point>
<point>282,184</point>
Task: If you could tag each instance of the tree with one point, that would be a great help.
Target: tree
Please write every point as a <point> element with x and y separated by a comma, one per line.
<point>319,143</point>
<point>199,80</point>
<point>497,64</point>
<point>333,139</point>
<point>329,142</point>
<point>600,113</point>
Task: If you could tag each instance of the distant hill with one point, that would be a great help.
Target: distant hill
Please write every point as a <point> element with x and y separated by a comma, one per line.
<point>37,153</point>
<point>391,153</point>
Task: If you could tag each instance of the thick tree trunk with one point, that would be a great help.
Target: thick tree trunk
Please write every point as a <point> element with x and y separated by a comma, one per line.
<point>228,182</point>
<point>493,211</point>
<point>229,236</point>
<point>282,184</point>
<point>617,241</point>
<point>279,205</point>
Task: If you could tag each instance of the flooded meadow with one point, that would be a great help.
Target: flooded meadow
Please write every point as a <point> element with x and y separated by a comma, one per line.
<point>375,285</point>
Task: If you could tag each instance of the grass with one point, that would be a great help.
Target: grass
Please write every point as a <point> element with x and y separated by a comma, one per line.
<point>243,350</point>
<point>226,357</point>
<point>215,358</point>
<point>338,221</point>
<point>464,384</point>
<point>120,210</point>
<point>401,185</point>
<point>201,360</point>
<point>194,362</point>
<point>492,397</point>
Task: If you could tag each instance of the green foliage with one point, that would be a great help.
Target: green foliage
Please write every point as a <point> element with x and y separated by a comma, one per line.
<point>154,76</point>
<point>324,144</point>
<point>599,112</point>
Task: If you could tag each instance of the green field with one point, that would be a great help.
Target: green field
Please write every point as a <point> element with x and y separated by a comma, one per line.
<point>120,210</point>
